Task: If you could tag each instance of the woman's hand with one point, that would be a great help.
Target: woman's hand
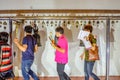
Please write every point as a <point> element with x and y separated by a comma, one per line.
<point>86,37</point>
<point>95,36</point>
<point>82,56</point>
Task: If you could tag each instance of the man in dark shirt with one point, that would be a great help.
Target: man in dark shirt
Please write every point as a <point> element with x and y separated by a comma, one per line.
<point>28,48</point>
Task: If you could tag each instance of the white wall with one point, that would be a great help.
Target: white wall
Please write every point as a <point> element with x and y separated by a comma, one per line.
<point>59,4</point>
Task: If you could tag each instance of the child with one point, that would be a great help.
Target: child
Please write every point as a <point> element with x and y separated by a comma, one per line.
<point>5,57</point>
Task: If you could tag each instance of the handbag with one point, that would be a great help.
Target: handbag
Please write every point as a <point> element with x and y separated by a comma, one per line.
<point>93,54</point>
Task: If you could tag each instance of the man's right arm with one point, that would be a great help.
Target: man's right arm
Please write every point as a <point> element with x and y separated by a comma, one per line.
<point>36,48</point>
<point>21,47</point>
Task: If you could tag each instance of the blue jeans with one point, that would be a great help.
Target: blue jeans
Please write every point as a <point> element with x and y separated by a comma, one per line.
<point>26,70</point>
<point>88,68</point>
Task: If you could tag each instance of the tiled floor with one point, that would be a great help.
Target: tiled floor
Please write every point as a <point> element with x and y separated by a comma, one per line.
<point>72,78</point>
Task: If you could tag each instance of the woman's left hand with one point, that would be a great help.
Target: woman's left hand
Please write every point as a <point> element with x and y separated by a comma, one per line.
<point>82,56</point>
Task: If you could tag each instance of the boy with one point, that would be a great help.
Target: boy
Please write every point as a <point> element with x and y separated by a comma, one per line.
<point>61,54</point>
<point>28,48</point>
<point>6,67</point>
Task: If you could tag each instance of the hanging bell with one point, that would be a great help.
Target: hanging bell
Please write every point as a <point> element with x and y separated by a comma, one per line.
<point>73,22</point>
<point>89,22</point>
<point>101,21</point>
<point>25,21</point>
<point>43,23</point>
<point>38,21</point>
<point>98,22</point>
<point>4,23</point>
<point>56,25</point>
<point>112,22</point>
<point>116,21</point>
<point>93,21</point>
<point>64,22</point>
<point>47,22</point>
<point>77,22</point>
<point>81,21</point>
<point>30,22</point>
<point>51,22</point>
<point>68,22</point>
<point>59,22</point>
<point>85,22</point>
<point>34,21</point>
<point>0,22</point>
<point>55,21</point>
<point>81,24</point>
<point>5,27</point>
<point>76,26</point>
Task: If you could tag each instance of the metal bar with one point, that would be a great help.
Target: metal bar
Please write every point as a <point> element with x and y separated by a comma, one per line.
<point>62,17</point>
<point>10,26</point>
<point>107,48</point>
<point>59,18</point>
<point>5,19</point>
<point>59,11</point>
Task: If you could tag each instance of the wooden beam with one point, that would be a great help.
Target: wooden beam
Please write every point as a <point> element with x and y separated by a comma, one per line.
<point>58,11</point>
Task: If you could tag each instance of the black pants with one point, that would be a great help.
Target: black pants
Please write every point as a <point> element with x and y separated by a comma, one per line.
<point>6,75</point>
<point>61,73</point>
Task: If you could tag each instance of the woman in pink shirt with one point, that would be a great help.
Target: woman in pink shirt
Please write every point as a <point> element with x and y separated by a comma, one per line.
<point>61,54</point>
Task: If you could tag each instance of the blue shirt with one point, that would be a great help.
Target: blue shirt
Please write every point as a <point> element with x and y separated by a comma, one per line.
<point>29,53</point>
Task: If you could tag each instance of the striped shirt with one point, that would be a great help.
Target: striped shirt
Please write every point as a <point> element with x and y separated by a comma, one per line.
<point>5,58</point>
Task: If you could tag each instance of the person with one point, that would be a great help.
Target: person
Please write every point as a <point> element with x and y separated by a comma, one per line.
<point>6,66</point>
<point>61,54</point>
<point>89,64</point>
<point>37,37</point>
<point>35,27</point>
<point>28,47</point>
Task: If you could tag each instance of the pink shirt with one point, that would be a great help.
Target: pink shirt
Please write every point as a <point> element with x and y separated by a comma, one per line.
<point>62,57</point>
